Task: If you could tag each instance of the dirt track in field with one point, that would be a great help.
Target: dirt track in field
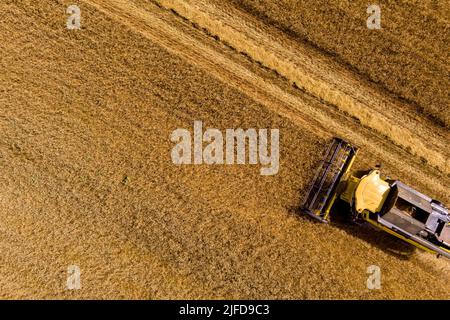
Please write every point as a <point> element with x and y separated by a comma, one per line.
<point>82,110</point>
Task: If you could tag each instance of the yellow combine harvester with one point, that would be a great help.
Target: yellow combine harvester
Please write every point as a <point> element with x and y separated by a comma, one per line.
<point>387,204</point>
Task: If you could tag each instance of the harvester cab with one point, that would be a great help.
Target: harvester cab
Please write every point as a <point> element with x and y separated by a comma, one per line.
<point>386,204</point>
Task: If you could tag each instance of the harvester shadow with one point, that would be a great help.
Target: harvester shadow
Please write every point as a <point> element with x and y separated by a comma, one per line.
<point>340,217</point>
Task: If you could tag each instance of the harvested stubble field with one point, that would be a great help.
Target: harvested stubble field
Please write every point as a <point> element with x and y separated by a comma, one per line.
<point>86,176</point>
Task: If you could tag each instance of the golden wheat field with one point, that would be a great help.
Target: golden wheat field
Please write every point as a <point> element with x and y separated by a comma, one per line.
<point>86,176</point>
